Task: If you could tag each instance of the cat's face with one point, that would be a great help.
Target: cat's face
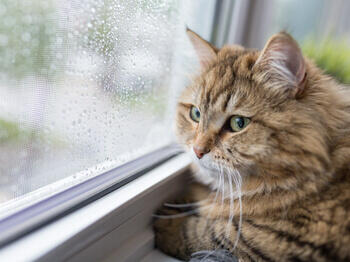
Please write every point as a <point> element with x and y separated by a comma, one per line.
<point>241,115</point>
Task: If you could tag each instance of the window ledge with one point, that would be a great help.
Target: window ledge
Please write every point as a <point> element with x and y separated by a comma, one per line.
<point>116,225</point>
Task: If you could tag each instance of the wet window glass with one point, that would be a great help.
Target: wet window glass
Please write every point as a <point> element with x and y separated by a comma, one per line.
<point>86,86</point>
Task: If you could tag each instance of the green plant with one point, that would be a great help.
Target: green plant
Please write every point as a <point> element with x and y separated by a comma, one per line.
<point>332,55</point>
<point>10,131</point>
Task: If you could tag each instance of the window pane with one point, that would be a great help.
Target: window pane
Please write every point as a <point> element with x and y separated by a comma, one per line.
<point>85,86</point>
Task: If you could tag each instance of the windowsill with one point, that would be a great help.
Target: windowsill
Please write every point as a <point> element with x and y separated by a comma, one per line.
<point>116,225</point>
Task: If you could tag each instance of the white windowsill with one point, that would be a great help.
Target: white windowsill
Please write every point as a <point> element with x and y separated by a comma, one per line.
<point>117,225</point>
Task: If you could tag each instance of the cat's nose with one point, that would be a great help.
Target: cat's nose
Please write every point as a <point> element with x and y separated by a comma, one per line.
<point>200,151</point>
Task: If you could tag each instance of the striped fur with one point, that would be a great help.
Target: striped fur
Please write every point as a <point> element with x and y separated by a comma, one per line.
<point>293,203</point>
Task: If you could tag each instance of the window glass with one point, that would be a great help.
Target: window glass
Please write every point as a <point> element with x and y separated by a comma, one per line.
<point>85,86</point>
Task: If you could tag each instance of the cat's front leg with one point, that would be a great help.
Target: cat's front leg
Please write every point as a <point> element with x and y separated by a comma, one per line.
<point>180,235</point>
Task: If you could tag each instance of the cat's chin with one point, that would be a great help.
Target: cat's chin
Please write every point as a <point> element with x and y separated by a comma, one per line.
<point>209,173</point>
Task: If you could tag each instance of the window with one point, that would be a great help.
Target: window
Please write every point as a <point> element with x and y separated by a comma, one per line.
<point>85,87</point>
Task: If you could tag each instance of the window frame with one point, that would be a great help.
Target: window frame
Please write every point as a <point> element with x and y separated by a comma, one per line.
<point>115,225</point>
<point>59,205</point>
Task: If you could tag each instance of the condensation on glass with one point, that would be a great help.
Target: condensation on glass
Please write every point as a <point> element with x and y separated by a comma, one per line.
<point>85,86</point>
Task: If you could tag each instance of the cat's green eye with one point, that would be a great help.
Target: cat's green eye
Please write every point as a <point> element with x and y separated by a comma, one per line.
<point>238,123</point>
<point>195,114</point>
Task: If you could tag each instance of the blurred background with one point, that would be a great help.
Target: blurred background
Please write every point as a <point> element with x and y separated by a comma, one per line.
<point>88,85</point>
<point>322,28</point>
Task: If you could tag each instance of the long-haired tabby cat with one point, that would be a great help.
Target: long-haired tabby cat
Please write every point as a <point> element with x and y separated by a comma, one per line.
<point>271,135</point>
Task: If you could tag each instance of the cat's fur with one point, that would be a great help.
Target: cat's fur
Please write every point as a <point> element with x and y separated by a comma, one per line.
<point>289,166</point>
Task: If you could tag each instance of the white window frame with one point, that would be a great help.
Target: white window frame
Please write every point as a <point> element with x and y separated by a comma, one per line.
<point>116,227</point>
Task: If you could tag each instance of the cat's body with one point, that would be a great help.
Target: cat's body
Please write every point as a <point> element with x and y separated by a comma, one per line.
<point>282,179</point>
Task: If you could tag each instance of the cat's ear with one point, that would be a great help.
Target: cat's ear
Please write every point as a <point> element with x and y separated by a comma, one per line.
<point>206,52</point>
<point>283,60</point>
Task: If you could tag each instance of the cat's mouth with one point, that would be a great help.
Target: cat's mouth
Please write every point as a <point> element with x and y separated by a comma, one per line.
<point>207,163</point>
<point>209,166</point>
<point>217,175</point>
<point>214,167</point>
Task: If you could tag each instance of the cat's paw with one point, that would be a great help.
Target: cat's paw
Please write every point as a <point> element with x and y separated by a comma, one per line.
<point>168,225</point>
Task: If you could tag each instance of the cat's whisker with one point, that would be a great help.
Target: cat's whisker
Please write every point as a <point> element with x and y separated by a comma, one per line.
<point>221,189</point>
<point>215,198</point>
<point>217,191</point>
<point>185,204</point>
<point>238,183</point>
<point>183,214</point>
<point>229,222</point>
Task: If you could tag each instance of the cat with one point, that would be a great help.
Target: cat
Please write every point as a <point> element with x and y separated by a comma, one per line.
<point>270,133</point>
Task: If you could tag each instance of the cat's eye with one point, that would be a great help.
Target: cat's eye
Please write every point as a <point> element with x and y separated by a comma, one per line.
<point>195,114</point>
<point>238,123</point>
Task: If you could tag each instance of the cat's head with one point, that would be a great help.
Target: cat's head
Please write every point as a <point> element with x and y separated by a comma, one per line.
<point>254,113</point>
